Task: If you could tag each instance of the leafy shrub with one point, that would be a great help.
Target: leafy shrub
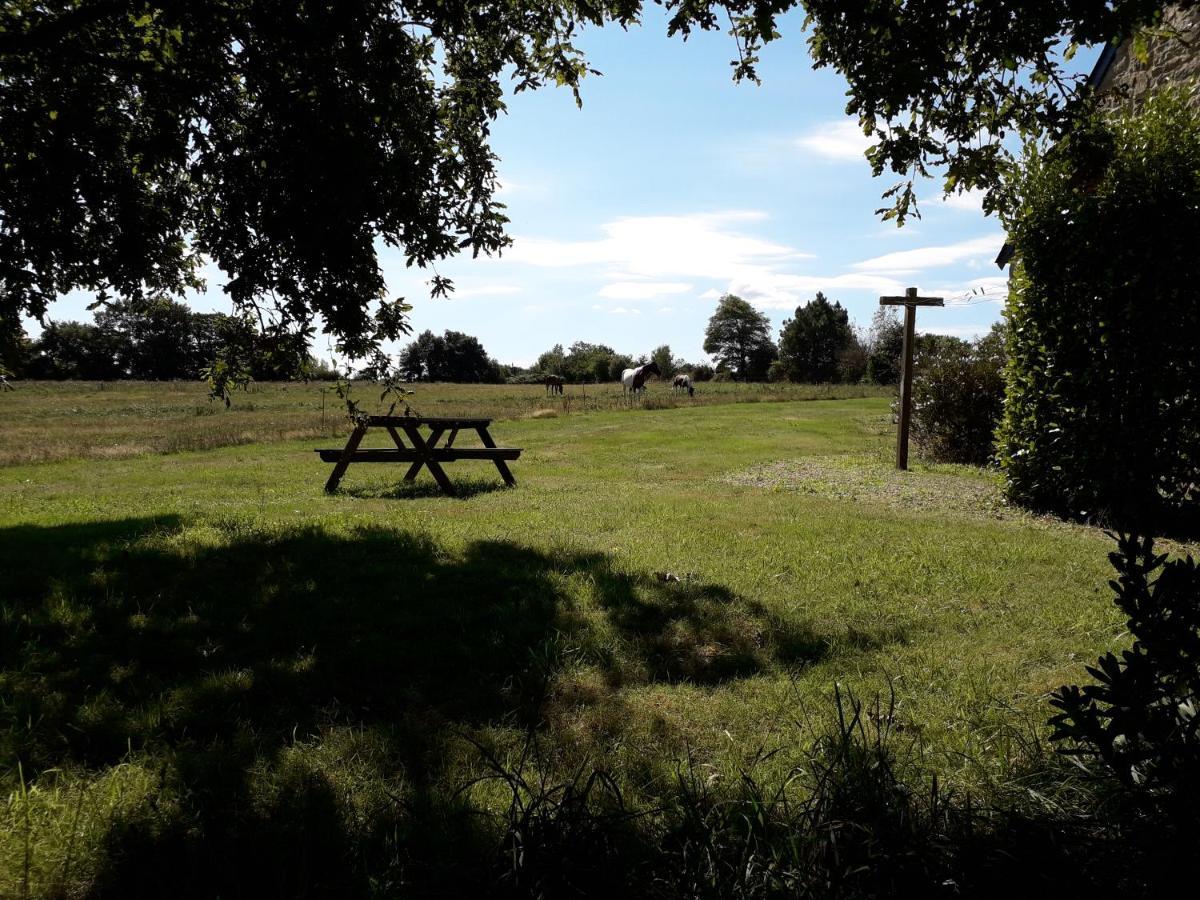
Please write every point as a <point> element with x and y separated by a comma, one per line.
<point>958,398</point>
<point>1102,419</point>
<point>526,378</point>
<point>702,373</point>
<point>1141,716</point>
<point>884,342</point>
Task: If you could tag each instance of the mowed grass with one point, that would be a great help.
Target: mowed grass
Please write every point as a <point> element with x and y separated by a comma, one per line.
<point>45,421</point>
<point>217,680</point>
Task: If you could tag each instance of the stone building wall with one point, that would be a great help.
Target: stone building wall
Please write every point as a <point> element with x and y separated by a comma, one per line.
<point>1170,60</point>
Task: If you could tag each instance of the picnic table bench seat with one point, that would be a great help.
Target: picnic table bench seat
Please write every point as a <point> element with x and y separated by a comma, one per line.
<point>441,454</point>
<point>424,451</point>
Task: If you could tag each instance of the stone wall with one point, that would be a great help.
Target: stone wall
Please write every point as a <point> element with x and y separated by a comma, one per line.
<point>1170,60</point>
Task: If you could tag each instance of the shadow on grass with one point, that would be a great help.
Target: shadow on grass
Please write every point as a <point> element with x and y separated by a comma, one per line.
<point>213,651</point>
<point>464,489</point>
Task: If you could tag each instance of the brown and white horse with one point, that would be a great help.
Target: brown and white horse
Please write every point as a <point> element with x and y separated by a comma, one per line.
<point>633,381</point>
<point>683,383</point>
<point>554,384</point>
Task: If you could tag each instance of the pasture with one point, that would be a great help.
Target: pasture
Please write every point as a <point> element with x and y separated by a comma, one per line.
<point>51,420</point>
<point>217,680</point>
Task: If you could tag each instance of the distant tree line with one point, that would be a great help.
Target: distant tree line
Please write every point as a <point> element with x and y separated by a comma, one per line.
<point>154,340</point>
<point>819,344</point>
<point>161,339</point>
<point>586,363</point>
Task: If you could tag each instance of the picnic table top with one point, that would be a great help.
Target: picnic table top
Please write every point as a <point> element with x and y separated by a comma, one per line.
<point>438,421</point>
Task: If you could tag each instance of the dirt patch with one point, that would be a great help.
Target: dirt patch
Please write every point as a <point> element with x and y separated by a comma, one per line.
<point>865,478</point>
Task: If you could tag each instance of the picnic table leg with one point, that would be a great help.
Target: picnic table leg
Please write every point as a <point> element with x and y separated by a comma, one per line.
<point>396,437</point>
<point>418,444</point>
<point>501,465</point>
<point>339,469</point>
<point>435,468</point>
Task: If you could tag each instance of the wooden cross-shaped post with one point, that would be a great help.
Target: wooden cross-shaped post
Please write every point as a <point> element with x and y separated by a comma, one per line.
<point>910,301</point>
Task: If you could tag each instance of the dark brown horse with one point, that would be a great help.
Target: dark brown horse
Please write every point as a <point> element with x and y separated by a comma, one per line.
<point>554,384</point>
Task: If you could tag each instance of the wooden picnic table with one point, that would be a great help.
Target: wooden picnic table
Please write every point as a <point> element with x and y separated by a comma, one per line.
<point>424,451</point>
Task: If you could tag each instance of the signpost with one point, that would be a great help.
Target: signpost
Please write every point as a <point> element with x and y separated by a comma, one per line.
<point>910,301</point>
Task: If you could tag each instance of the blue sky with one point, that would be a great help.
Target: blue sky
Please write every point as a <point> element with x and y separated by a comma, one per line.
<point>673,185</point>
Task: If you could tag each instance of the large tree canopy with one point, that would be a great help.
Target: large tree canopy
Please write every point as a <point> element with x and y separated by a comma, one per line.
<point>285,139</point>
<point>281,139</point>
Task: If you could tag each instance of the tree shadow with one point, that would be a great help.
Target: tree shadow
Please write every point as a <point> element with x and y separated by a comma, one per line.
<point>216,649</point>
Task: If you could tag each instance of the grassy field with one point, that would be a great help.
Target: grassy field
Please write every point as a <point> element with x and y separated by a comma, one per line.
<point>43,421</point>
<point>218,681</point>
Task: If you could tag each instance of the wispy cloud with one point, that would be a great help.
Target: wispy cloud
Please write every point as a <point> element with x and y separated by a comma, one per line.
<point>774,290</point>
<point>907,262</point>
<point>967,201</point>
<point>642,290</point>
<point>700,246</point>
<point>840,139</point>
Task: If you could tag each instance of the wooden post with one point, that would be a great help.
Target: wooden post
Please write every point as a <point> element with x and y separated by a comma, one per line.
<point>910,301</point>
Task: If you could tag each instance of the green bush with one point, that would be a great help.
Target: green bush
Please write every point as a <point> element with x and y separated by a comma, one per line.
<point>958,398</point>
<point>1141,716</point>
<point>1102,418</point>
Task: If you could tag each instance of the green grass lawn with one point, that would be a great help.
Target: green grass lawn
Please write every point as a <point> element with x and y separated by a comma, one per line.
<point>209,666</point>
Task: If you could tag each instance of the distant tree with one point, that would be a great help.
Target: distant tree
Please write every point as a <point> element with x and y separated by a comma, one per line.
<point>617,365</point>
<point>665,361</point>
<point>739,336</point>
<point>413,363</point>
<point>811,342</point>
<point>466,361</point>
<point>853,360</point>
<point>583,361</point>
<point>453,357</point>
<point>703,373</point>
<point>552,362</point>
<point>76,350</point>
<point>15,346</point>
<point>885,341</point>
<point>157,340</point>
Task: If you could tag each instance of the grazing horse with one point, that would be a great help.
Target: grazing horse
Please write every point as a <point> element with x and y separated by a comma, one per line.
<point>684,383</point>
<point>554,384</point>
<point>633,381</point>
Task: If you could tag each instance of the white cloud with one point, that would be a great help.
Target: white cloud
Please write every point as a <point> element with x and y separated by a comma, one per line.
<point>666,309</point>
<point>840,139</point>
<point>773,290</point>
<point>906,262</point>
<point>699,246</point>
<point>968,201</point>
<point>625,311</point>
<point>642,290</point>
